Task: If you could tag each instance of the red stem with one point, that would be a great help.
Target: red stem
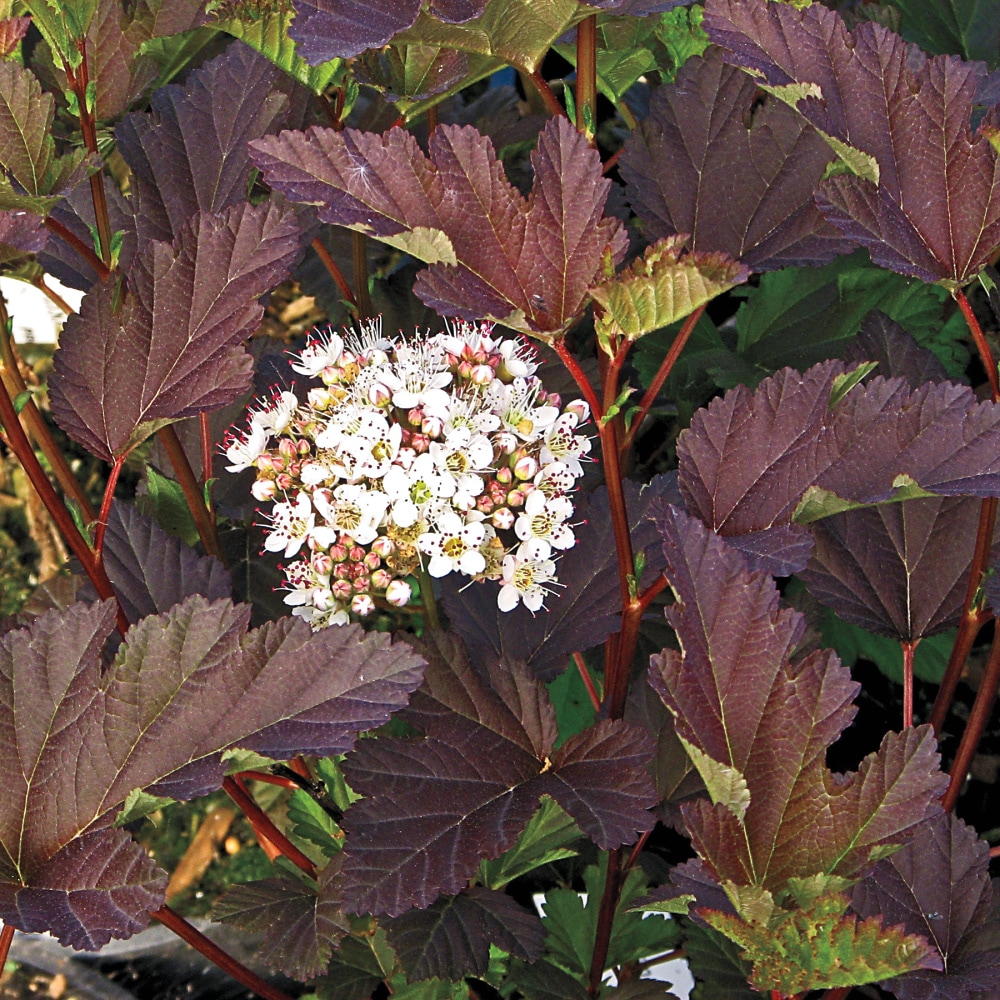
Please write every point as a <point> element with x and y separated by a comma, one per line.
<point>613,373</point>
<point>206,448</point>
<point>978,717</point>
<point>612,161</point>
<point>586,75</point>
<point>192,490</point>
<point>359,256</point>
<point>985,354</point>
<point>6,936</point>
<point>549,99</point>
<point>649,595</point>
<point>211,951</point>
<point>588,683</point>
<point>264,826</point>
<point>840,993</point>
<point>21,447</point>
<point>909,648</point>
<point>331,265</point>
<point>605,921</point>
<point>661,376</point>
<point>109,495</point>
<point>636,851</point>
<point>580,377</point>
<point>71,239</point>
<point>268,779</point>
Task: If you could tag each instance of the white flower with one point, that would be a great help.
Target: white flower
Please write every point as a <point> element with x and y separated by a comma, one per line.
<point>525,574</point>
<point>555,479</point>
<point>352,509</point>
<point>562,445</point>
<point>518,358</point>
<point>291,524</point>
<point>542,519</point>
<point>519,414</point>
<point>276,417</point>
<point>411,490</point>
<point>454,546</point>
<point>244,451</point>
<point>321,351</point>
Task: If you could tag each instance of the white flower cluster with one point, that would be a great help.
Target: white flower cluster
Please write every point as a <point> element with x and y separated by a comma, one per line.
<point>440,451</point>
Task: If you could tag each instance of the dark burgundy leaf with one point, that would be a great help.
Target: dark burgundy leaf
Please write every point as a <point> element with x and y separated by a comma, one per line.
<point>300,922</point>
<point>172,350</point>
<point>934,212</point>
<point>437,806</point>
<point>413,73</point>
<point>451,939</point>
<point>184,687</point>
<point>898,354</point>
<point>457,11</point>
<point>748,458</point>
<point>12,30</point>
<point>899,570</point>
<point>152,571</point>
<point>679,176</point>
<point>527,263</point>
<point>21,233</point>
<point>587,608</point>
<point>189,153</point>
<point>638,8</point>
<point>780,550</point>
<point>760,727</point>
<point>332,29</point>
<point>938,886</point>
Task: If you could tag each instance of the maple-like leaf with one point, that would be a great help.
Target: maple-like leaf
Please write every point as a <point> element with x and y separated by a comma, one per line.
<point>301,922</point>
<point>173,349</point>
<point>189,153</point>
<point>897,352</point>
<point>929,203</point>
<point>758,727</point>
<point>664,285</point>
<point>152,571</point>
<point>587,608</point>
<point>527,263</point>
<point>437,806</point>
<point>451,938</point>
<point>679,176</point>
<point>12,30</point>
<point>184,687</point>
<point>748,459</point>
<point>938,886</point>
<point>900,569</point>
<point>330,29</point>
<point>822,946</point>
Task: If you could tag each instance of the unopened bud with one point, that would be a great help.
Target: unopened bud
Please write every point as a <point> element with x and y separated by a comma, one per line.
<point>503,519</point>
<point>398,593</point>
<point>264,490</point>
<point>362,604</point>
<point>381,579</point>
<point>525,468</point>
<point>342,590</point>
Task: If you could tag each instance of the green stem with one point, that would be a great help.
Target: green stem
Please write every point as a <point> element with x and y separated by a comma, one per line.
<point>192,491</point>
<point>211,951</point>
<point>666,366</point>
<point>586,75</point>
<point>428,600</point>
<point>978,717</point>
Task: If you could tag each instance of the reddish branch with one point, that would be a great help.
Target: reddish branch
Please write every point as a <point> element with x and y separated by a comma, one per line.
<point>192,490</point>
<point>71,239</point>
<point>586,75</point>
<point>109,494</point>
<point>215,954</point>
<point>549,99</point>
<point>588,682</point>
<point>338,276</point>
<point>6,936</point>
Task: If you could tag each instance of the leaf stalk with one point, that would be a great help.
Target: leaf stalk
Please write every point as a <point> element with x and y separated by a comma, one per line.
<point>6,936</point>
<point>586,76</point>
<point>192,490</point>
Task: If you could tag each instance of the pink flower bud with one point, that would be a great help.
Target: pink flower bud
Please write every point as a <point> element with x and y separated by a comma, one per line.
<point>432,426</point>
<point>362,584</point>
<point>398,593</point>
<point>515,498</point>
<point>381,579</point>
<point>372,560</point>
<point>322,564</point>
<point>379,395</point>
<point>484,504</point>
<point>342,571</point>
<point>356,553</point>
<point>580,408</point>
<point>338,552</point>
<point>263,490</point>
<point>420,443</point>
<point>304,447</point>
<point>264,462</point>
<point>283,481</point>
<point>505,476</point>
<point>503,518</point>
<point>415,415</point>
<point>482,375</point>
<point>342,590</point>
<point>362,605</point>
<point>525,468</point>
<point>286,448</point>
<point>384,546</point>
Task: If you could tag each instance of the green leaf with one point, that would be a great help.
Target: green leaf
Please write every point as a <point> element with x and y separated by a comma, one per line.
<point>62,22</point>
<point>665,285</point>
<point>545,839</point>
<point>268,35</point>
<point>822,948</point>
<point>544,981</point>
<point>237,760</point>
<point>843,384</point>
<point>682,36</point>
<point>357,967</point>
<point>574,709</point>
<point>679,905</point>
<point>969,28</point>
<point>719,971</point>
<point>571,924</point>
<point>139,804</point>
<point>427,989</point>
<point>311,822</point>
<point>164,501</point>
<point>21,400</point>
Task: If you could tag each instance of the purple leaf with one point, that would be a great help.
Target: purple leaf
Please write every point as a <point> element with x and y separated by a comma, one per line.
<point>437,806</point>
<point>21,233</point>
<point>760,727</point>
<point>172,350</point>
<point>184,687</point>
<point>934,212</point>
<point>300,922</point>
<point>152,571</point>
<point>748,458</point>
<point>587,608</point>
<point>527,263</point>
<point>899,570</point>
<point>451,939</point>
<point>938,885</point>
<point>189,153</point>
<point>457,11</point>
<point>339,29</point>
<point>898,354</point>
<point>679,177</point>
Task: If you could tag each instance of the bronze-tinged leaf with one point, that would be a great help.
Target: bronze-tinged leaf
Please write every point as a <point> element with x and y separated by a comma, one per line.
<point>76,739</point>
<point>897,352</point>
<point>924,198</point>
<point>679,174</point>
<point>173,349</point>
<point>758,727</point>
<point>12,30</point>
<point>526,263</point>
<point>331,29</point>
<point>663,286</point>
